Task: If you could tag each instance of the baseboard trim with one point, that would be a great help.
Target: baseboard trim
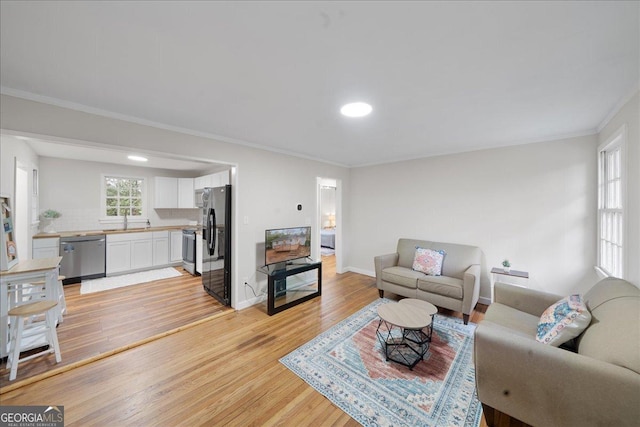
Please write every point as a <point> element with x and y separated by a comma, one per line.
<point>361,271</point>
<point>484,300</point>
<point>251,302</point>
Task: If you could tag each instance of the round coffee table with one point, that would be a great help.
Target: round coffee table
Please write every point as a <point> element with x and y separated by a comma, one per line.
<point>401,330</point>
<point>430,309</point>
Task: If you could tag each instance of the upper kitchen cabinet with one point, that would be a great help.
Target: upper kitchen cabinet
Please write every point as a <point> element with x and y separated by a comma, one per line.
<point>166,193</point>
<point>174,193</point>
<point>213,180</point>
<point>186,193</point>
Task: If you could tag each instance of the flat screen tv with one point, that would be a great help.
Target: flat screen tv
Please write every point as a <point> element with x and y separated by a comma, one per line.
<point>286,244</point>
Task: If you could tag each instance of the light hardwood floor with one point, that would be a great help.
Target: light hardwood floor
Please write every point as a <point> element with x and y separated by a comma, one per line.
<point>102,322</point>
<point>225,371</point>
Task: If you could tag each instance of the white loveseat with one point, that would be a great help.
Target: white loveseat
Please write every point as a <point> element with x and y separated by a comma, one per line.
<point>458,287</point>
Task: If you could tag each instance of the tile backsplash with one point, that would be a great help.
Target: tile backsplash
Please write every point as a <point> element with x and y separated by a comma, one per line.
<point>88,219</point>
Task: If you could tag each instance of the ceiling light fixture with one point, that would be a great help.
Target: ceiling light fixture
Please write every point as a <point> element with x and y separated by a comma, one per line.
<point>137,158</point>
<point>356,109</point>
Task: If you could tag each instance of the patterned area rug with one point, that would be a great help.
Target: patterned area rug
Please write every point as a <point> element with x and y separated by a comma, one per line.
<point>347,365</point>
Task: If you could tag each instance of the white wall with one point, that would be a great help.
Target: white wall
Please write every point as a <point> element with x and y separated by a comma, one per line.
<point>533,204</point>
<point>12,149</point>
<point>629,115</point>
<point>74,188</point>
<point>268,186</point>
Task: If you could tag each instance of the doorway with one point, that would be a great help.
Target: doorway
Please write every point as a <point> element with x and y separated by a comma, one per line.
<point>21,217</point>
<point>329,219</point>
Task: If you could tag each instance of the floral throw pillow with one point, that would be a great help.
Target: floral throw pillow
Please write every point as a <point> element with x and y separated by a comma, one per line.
<point>563,321</point>
<point>428,261</point>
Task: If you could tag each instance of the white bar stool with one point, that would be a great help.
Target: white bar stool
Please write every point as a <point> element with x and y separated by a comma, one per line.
<point>58,294</point>
<point>18,332</point>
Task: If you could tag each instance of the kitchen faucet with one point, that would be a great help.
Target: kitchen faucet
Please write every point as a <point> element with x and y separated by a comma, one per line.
<point>125,220</point>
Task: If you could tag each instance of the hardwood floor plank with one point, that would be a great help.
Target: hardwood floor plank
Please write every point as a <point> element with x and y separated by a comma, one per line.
<point>224,371</point>
<point>100,322</point>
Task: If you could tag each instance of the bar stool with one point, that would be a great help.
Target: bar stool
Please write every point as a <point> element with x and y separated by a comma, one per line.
<point>39,292</point>
<point>19,332</point>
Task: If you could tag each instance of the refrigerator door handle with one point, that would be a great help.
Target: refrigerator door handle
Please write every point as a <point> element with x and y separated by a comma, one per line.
<point>211,226</point>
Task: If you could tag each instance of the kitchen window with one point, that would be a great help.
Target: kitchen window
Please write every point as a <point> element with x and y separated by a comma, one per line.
<point>611,205</point>
<point>123,196</point>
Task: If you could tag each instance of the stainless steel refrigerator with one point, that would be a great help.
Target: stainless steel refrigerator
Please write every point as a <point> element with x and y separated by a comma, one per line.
<point>216,242</point>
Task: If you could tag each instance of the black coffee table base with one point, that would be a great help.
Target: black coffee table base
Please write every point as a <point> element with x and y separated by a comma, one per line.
<point>401,345</point>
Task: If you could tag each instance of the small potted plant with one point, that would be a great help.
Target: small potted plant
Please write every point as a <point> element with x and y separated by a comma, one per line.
<point>50,215</point>
<point>506,265</point>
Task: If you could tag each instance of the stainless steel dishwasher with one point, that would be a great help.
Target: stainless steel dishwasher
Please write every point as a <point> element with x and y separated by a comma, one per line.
<point>83,257</point>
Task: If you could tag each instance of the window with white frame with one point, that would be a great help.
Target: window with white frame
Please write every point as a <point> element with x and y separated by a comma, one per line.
<point>611,204</point>
<point>123,196</point>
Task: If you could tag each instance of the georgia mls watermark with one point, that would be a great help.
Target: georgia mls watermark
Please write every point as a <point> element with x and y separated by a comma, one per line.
<point>32,416</point>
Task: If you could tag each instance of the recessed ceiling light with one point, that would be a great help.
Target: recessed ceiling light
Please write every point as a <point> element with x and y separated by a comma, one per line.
<point>137,158</point>
<point>356,109</point>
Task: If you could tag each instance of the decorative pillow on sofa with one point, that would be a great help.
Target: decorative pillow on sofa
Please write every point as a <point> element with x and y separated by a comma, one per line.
<point>428,261</point>
<point>563,321</point>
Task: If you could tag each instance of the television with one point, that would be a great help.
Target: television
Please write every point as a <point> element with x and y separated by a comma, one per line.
<point>282,245</point>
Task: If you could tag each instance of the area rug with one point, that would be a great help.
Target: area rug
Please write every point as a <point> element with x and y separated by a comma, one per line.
<point>106,283</point>
<point>347,365</point>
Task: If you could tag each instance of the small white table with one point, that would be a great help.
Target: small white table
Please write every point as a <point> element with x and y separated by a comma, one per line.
<point>514,277</point>
<point>34,270</point>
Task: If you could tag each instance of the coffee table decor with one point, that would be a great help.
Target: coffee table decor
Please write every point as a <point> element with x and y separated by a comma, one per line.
<point>347,365</point>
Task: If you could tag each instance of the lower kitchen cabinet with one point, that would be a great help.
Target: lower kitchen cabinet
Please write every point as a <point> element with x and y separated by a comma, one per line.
<point>176,246</point>
<point>118,256</point>
<point>142,253</point>
<point>160,248</point>
<point>199,253</point>
<point>137,251</point>
<point>45,248</point>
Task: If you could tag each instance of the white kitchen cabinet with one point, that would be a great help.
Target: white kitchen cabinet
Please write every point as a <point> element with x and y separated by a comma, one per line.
<point>212,180</point>
<point>166,193</point>
<point>160,248</point>
<point>45,248</point>
<point>199,182</point>
<point>176,246</point>
<point>118,256</point>
<point>223,178</point>
<point>174,193</point>
<point>142,252</point>
<point>135,251</point>
<point>186,193</point>
<point>199,253</point>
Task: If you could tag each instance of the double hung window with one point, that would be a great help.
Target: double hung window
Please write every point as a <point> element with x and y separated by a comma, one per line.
<point>123,196</point>
<point>611,205</point>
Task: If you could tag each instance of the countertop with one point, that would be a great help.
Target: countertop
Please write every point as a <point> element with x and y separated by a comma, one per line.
<point>33,265</point>
<point>98,232</point>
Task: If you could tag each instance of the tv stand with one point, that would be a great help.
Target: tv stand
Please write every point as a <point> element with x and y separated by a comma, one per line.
<point>291,285</point>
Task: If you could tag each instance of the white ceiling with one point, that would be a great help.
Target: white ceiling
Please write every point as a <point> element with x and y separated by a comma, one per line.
<point>442,77</point>
<point>58,149</point>
<point>103,155</point>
